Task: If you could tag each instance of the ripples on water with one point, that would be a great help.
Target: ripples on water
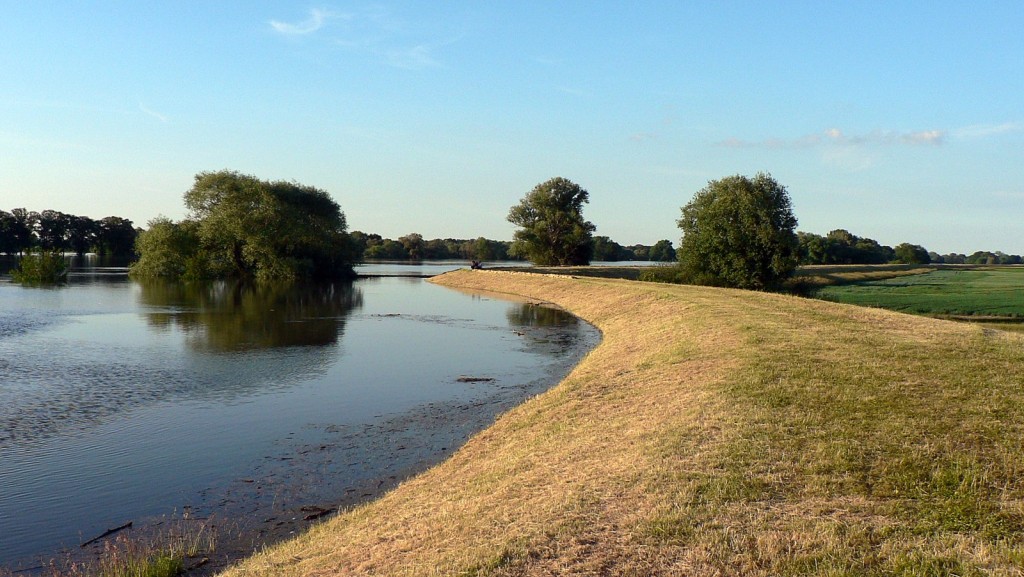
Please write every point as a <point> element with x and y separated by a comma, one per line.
<point>121,400</point>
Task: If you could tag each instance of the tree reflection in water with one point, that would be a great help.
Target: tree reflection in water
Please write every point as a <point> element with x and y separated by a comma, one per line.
<point>539,315</point>
<point>547,329</point>
<point>224,316</point>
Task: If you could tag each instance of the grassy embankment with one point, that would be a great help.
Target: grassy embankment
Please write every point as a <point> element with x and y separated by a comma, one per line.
<point>718,432</point>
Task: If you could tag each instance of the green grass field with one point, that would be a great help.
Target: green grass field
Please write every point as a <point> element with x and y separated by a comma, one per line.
<point>981,293</point>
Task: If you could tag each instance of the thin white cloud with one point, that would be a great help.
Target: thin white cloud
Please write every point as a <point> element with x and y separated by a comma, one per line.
<point>153,113</point>
<point>317,19</point>
<point>933,137</point>
<point>836,137</point>
<point>986,130</point>
<point>372,32</point>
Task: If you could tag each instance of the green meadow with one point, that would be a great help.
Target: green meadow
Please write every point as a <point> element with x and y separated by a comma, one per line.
<point>980,293</point>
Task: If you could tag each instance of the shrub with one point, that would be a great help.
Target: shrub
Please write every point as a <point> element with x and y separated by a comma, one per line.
<point>39,267</point>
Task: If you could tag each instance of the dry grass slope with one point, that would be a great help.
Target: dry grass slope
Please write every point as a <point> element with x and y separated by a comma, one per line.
<point>717,432</point>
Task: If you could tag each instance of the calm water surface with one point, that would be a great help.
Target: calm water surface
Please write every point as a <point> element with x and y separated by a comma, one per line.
<point>121,401</point>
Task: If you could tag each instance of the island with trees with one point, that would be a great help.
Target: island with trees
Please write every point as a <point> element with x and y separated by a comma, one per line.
<point>245,228</point>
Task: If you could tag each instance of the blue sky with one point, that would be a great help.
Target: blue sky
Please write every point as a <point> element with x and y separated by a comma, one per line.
<point>899,121</point>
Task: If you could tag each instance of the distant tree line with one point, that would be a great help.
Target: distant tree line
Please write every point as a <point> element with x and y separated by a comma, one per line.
<point>414,247</point>
<point>55,231</point>
<point>842,247</point>
<point>605,249</point>
<point>979,257</point>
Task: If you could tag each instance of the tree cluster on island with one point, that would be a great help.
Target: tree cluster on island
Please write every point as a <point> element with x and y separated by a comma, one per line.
<point>245,228</point>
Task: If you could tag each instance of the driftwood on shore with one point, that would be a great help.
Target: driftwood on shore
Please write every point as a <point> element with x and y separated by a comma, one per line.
<point>106,533</point>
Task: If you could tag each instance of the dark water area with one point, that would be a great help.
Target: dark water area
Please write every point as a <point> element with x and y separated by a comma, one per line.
<point>125,401</point>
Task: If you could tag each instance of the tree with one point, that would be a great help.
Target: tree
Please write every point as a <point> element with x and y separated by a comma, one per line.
<point>440,249</point>
<point>252,229</point>
<point>907,253</point>
<point>82,233</point>
<point>414,245</point>
<point>553,231</point>
<point>662,251</point>
<point>641,252</point>
<point>9,243</point>
<point>606,249</point>
<point>739,232</point>
<point>53,229</point>
<point>480,249</point>
<point>40,267</point>
<point>814,248</point>
<point>387,250</point>
<point>116,236</point>
<point>170,250</point>
<point>22,229</point>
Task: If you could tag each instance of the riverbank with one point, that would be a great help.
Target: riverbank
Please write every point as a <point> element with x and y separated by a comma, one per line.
<point>717,432</point>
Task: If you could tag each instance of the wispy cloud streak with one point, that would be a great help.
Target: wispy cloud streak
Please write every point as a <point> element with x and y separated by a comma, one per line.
<point>373,32</point>
<point>153,113</point>
<point>986,130</point>
<point>836,137</point>
<point>317,19</point>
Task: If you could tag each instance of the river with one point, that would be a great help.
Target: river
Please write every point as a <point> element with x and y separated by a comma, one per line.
<point>124,401</point>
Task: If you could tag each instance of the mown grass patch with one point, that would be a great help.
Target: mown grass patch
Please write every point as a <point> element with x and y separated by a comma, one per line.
<point>995,291</point>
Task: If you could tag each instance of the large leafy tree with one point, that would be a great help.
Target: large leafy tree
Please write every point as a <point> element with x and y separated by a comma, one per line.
<point>739,232</point>
<point>248,228</point>
<point>553,230</point>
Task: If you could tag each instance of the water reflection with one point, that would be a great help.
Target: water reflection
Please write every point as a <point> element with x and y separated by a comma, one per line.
<point>232,316</point>
<point>539,315</point>
<point>106,386</point>
<point>71,369</point>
